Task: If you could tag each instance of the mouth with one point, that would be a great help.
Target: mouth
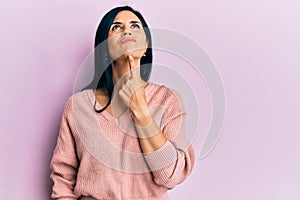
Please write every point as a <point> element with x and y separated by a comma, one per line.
<point>127,39</point>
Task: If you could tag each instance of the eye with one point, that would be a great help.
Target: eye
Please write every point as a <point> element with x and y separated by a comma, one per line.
<point>115,27</point>
<point>135,26</point>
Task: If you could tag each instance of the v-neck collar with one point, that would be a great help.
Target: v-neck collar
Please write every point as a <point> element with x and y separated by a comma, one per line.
<point>105,113</point>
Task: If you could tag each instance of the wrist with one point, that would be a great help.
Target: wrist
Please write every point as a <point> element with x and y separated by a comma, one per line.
<point>147,131</point>
<point>141,118</point>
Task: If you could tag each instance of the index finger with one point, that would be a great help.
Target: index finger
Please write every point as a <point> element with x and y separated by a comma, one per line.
<point>130,61</point>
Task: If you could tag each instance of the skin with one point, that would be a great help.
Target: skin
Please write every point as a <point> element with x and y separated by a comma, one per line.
<point>127,56</point>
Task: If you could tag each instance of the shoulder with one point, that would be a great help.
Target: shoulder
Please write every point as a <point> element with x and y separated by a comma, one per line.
<point>155,88</point>
<point>163,94</point>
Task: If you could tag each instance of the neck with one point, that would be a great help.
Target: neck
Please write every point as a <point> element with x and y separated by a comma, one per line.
<point>121,67</point>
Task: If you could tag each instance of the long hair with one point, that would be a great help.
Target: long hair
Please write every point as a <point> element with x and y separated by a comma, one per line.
<point>103,69</point>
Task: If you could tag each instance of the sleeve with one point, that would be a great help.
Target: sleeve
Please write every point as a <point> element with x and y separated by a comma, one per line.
<point>64,163</point>
<point>173,162</point>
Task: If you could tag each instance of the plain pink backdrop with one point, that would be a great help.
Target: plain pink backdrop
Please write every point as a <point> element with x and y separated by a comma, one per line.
<point>255,45</point>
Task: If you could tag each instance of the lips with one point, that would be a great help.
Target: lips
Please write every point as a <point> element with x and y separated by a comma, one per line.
<point>127,39</point>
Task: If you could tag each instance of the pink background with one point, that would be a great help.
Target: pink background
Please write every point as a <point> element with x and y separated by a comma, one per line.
<point>255,45</point>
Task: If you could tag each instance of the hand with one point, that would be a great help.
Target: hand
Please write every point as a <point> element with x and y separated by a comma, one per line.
<point>132,93</point>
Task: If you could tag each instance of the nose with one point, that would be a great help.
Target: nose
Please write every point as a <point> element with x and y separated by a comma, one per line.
<point>126,32</point>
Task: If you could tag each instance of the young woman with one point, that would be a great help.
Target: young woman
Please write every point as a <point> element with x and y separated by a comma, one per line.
<point>121,137</point>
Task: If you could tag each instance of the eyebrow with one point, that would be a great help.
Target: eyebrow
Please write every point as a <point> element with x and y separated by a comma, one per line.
<point>131,22</point>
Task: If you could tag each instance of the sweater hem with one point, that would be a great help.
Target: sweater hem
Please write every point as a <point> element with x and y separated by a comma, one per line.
<point>161,197</point>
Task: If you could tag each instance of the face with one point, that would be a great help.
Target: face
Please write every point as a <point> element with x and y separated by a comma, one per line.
<point>126,36</point>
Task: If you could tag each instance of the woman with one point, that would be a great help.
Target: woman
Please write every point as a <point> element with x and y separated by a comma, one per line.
<point>121,137</point>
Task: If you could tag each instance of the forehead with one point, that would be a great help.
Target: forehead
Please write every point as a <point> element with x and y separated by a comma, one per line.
<point>126,15</point>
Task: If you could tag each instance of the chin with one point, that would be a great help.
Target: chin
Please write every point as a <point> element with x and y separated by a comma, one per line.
<point>135,54</point>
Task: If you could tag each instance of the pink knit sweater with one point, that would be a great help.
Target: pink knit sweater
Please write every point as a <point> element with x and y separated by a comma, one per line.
<point>99,157</point>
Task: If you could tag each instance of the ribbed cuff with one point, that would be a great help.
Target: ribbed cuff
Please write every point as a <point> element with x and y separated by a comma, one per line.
<point>162,157</point>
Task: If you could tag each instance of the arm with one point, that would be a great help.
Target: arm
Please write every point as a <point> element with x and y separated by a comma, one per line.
<point>167,152</point>
<point>64,163</point>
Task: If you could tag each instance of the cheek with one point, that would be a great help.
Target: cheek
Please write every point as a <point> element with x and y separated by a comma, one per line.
<point>141,44</point>
<point>142,39</point>
<point>112,45</point>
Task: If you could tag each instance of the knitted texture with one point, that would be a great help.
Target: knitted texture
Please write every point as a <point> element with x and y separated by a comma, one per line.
<point>99,157</point>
